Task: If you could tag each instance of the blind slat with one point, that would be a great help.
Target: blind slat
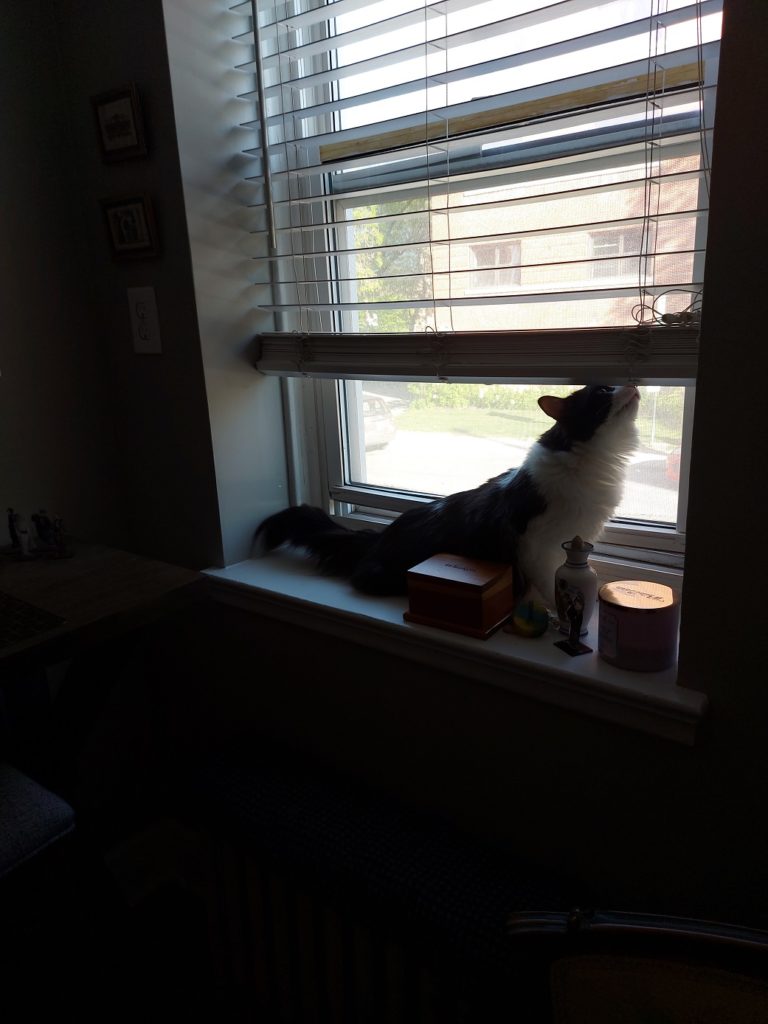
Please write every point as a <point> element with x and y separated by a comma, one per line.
<point>548,167</point>
<point>375,29</point>
<point>604,262</point>
<point>582,294</point>
<point>610,156</point>
<point>444,236</point>
<point>580,228</point>
<point>574,47</point>
<point>616,150</point>
<point>381,61</point>
<point>663,354</point>
<point>591,88</point>
<point>334,9</point>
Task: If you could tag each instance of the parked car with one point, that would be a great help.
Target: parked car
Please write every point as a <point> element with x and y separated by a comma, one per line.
<point>378,422</point>
<point>672,468</point>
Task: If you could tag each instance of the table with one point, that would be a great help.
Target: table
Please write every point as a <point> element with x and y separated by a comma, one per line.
<point>98,593</point>
<point>83,603</point>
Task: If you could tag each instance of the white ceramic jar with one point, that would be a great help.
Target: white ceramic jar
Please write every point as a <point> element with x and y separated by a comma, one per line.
<point>576,589</point>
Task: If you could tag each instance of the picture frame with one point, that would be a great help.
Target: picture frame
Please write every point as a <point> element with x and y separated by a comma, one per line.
<point>120,124</point>
<point>131,226</point>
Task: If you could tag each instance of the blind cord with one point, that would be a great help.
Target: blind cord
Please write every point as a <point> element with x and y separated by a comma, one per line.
<point>648,310</point>
<point>429,173</point>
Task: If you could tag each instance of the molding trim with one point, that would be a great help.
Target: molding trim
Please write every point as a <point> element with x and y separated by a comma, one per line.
<point>286,588</point>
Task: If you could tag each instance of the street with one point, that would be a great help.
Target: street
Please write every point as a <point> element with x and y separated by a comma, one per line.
<point>441,463</point>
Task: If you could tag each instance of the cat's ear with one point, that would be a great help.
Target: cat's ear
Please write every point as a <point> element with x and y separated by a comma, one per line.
<point>552,406</point>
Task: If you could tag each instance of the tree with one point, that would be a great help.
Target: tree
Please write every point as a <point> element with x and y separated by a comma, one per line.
<point>391,263</point>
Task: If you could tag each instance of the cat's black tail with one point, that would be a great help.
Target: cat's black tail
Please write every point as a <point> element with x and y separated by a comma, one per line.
<point>336,549</point>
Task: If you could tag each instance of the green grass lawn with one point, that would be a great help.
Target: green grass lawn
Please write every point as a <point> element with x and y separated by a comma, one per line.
<point>475,422</point>
<point>521,425</point>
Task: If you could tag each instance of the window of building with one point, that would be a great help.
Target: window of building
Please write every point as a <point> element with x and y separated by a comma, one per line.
<point>616,253</point>
<point>495,265</point>
<point>461,206</point>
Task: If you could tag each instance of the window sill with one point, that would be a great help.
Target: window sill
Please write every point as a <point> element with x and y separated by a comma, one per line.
<point>286,587</point>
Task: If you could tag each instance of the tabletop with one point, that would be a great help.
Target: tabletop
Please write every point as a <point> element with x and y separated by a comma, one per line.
<point>56,605</point>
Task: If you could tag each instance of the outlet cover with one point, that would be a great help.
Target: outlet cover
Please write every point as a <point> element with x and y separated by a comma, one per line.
<point>145,327</point>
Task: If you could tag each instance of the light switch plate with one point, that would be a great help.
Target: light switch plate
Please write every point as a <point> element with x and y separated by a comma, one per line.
<point>145,326</point>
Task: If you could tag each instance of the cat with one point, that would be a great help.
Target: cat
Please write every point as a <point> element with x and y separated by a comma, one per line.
<point>569,484</point>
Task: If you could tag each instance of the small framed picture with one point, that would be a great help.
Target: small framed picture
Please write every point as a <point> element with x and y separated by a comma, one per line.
<point>120,124</point>
<point>131,226</point>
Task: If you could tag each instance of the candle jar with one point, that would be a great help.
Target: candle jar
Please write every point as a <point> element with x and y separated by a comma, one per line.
<point>575,589</point>
<point>638,625</point>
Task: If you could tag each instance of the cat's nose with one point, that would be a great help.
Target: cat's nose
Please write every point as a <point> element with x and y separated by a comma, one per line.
<point>626,395</point>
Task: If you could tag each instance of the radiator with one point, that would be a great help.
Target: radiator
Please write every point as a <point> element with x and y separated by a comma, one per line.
<point>287,951</point>
<point>328,902</point>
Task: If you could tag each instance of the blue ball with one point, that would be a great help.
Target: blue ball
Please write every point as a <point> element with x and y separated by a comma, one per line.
<point>530,618</point>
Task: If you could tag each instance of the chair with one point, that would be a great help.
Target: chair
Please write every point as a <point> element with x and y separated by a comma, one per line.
<point>637,968</point>
<point>36,829</point>
<point>31,818</point>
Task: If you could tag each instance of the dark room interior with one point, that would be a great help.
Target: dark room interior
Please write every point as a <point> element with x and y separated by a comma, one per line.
<point>274,818</point>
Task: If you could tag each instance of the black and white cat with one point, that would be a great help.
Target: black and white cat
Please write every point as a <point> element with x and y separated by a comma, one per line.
<point>569,483</point>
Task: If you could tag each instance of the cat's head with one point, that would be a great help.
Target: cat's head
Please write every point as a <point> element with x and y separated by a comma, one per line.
<point>599,412</point>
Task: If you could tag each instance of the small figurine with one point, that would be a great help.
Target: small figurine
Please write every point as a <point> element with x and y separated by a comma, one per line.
<point>25,540</point>
<point>575,614</point>
<point>60,538</point>
<point>12,528</point>
<point>44,528</point>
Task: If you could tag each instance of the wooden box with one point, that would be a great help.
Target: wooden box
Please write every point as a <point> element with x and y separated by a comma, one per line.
<point>464,595</point>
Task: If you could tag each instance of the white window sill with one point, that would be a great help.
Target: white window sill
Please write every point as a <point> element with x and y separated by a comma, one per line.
<point>285,586</point>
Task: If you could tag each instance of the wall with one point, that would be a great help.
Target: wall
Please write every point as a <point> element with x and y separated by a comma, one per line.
<point>245,407</point>
<point>56,437</point>
<point>198,433</point>
<point>635,822</point>
<point>726,563</point>
<point>163,446</point>
<point>118,444</point>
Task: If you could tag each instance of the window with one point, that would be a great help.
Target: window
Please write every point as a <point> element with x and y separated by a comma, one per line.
<point>616,253</point>
<point>496,265</point>
<point>461,205</point>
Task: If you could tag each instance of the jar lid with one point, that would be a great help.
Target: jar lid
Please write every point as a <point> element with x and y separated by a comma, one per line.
<point>638,595</point>
<point>577,545</point>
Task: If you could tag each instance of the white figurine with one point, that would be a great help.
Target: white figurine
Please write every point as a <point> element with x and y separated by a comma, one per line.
<point>22,532</point>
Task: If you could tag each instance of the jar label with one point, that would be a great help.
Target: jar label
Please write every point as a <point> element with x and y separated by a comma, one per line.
<point>608,633</point>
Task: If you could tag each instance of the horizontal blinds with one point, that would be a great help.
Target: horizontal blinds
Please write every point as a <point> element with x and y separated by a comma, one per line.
<point>546,356</point>
<point>463,167</point>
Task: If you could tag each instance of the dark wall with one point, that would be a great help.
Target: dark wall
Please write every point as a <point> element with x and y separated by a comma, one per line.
<point>637,821</point>
<point>117,443</point>
<point>57,445</point>
<point>158,403</point>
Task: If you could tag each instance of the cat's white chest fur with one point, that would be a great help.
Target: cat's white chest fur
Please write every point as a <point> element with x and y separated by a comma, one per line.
<point>581,488</point>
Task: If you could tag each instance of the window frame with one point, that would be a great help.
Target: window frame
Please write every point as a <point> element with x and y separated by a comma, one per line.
<point>317,477</point>
<point>325,451</point>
